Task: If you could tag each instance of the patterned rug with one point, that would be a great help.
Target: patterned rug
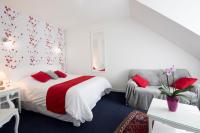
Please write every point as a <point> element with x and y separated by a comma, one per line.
<point>135,122</point>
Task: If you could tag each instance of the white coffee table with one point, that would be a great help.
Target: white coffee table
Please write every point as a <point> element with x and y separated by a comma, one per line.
<point>163,128</point>
<point>187,117</point>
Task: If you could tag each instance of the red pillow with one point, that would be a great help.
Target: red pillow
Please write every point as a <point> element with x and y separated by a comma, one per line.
<point>41,76</point>
<point>141,82</point>
<point>183,83</point>
<point>60,74</point>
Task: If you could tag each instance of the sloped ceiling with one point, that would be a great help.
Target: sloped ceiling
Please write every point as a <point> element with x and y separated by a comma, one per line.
<point>184,12</point>
<point>171,25</point>
<point>67,13</point>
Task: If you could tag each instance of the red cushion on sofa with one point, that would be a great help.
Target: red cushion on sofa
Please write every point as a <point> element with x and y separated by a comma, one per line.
<point>60,74</point>
<point>41,76</point>
<point>141,82</point>
<point>183,83</point>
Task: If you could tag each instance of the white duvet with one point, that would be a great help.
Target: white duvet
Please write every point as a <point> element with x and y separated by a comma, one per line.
<point>79,100</point>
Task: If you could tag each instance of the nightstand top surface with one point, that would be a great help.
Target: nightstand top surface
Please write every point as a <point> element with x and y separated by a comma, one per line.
<point>9,90</point>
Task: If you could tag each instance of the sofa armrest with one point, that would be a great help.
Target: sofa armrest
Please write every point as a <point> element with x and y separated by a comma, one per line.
<point>196,90</point>
<point>131,85</point>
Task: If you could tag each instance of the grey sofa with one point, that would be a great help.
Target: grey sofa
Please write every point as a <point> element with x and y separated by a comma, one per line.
<point>140,98</point>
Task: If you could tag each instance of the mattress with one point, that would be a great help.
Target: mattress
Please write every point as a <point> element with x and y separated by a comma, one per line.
<point>79,100</point>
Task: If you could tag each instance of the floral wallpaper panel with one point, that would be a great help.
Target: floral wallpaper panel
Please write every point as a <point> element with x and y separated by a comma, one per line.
<point>33,41</point>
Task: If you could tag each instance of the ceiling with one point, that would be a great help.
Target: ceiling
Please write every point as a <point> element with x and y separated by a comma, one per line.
<point>67,13</point>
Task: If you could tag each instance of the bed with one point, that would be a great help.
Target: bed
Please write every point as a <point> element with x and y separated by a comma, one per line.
<point>79,100</point>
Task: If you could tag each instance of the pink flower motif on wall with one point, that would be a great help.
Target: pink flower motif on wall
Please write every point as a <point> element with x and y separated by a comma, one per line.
<point>49,43</point>
<point>32,30</point>
<point>61,61</point>
<point>10,26</point>
<point>8,33</point>
<point>8,20</point>
<point>11,62</point>
<point>50,59</point>
<point>49,27</point>
<point>10,13</point>
<point>34,57</point>
<point>49,36</point>
<point>31,46</point>
<point>33,61</point>
<point>34,39</point>
<point>60,43</point>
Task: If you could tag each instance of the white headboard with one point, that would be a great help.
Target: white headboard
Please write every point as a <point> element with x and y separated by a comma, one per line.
<point>35,42</point>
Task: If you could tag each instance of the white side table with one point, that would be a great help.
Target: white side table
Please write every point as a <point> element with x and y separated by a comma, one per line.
<point>12,94</point>
<point>7,114</point>
<point>187,117</point>
<point>163,128</point>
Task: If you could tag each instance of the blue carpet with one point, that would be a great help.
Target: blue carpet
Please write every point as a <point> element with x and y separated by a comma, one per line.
<point>108,114</point>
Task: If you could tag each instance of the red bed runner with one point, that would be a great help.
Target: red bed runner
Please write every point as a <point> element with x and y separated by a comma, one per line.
<point>55,98</point>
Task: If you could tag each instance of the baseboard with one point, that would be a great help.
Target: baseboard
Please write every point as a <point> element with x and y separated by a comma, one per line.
<point>118,90</point>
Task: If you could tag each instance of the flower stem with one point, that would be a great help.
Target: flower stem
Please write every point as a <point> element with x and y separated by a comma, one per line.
<point>173,82</point>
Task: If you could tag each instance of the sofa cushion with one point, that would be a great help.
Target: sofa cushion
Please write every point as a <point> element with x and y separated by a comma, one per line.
<point>153,76</point>
<point>183,83</point>
<point>140,81</point>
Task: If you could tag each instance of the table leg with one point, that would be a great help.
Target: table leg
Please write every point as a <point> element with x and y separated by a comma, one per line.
<point>150,125</point>
<point>16,122</point>
<point>10,103</point>
<point>19,106</point>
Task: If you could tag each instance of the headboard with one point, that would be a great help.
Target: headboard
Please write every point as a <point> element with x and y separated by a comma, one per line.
<point>34,42</point>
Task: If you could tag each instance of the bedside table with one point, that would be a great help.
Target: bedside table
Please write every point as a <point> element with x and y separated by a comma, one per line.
<point>10,96</point>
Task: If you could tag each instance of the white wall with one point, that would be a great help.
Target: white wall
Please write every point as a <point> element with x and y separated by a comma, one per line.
<point>129,45</point>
